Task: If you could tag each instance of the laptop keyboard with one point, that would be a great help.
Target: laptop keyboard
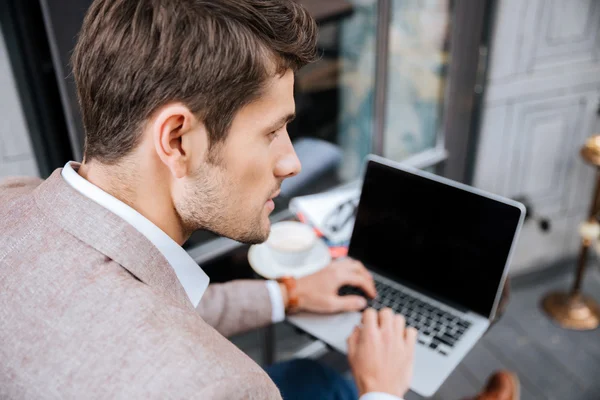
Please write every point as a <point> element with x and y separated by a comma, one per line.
<point>438,329</point>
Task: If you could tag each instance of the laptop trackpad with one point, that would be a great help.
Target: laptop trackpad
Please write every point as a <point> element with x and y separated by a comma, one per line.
<point>331,329</point>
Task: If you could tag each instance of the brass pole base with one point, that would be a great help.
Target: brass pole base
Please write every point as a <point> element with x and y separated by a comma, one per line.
<point>570,311</point>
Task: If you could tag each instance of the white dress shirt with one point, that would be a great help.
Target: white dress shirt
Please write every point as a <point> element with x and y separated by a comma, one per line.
<point>193,279</point>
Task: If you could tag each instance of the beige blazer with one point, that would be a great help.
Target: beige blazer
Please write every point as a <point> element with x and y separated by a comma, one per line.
<point>89,308</point>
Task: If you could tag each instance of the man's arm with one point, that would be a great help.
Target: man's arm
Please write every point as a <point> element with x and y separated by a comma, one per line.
<point>243,305</point>
<point>236,306</point>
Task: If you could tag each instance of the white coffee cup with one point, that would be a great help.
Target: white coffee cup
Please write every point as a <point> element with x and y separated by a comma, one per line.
<point>291,242</point>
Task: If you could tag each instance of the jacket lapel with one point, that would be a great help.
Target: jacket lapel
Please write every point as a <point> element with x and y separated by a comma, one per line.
<point>108,234</point>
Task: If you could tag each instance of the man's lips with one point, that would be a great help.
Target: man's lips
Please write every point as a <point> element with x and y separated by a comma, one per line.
<point>275,194</point>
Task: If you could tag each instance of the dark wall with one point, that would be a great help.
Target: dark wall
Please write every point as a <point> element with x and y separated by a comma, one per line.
<point>28,47</point>
<point>63,19</point>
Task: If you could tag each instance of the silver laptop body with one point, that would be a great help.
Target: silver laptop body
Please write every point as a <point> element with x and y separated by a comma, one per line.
<point>439,251</point>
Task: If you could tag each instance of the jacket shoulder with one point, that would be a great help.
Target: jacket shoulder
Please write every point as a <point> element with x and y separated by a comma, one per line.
<point>13,187</point>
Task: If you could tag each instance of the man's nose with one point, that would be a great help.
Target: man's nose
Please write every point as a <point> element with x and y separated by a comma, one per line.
<point>289,164</point>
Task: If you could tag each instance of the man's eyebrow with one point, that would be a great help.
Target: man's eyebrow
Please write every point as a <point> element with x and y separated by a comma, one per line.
<point>282,121</point>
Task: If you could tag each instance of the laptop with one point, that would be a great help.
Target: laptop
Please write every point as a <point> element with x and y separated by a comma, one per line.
<point>439,252</point>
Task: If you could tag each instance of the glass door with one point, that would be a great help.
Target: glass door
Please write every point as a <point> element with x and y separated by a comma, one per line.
<point>394,64</point>
<point>417,65</point>
<point>398,90</point>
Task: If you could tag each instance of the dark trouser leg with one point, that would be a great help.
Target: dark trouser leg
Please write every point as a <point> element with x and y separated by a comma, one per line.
<point>306,379</point>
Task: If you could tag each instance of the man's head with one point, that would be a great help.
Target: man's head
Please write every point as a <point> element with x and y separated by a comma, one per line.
<point>199,92</point>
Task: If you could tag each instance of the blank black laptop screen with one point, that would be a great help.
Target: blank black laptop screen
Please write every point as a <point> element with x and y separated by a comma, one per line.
<point>446,242</point>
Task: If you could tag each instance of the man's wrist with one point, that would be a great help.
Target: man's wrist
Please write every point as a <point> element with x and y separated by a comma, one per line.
<point>284,295</point>
<point>379,396</point>
<point>366,386</point>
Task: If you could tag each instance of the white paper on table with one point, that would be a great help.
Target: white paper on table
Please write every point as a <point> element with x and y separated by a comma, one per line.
<point>317,207</point>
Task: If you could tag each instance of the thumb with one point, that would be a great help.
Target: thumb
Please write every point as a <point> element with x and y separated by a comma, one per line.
<point>353,341</point>
<point>350,303</point>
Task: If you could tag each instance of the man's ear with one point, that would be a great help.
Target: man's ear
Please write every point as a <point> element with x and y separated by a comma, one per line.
<point>179,138</point>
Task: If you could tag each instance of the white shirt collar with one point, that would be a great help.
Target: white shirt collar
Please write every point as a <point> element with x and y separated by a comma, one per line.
<point>190,275</point>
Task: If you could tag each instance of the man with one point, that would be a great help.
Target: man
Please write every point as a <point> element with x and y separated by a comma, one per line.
<point>185,105</point>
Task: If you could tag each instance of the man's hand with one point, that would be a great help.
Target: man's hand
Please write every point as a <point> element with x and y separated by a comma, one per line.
<point>381,353</point>
<point>319,292</point>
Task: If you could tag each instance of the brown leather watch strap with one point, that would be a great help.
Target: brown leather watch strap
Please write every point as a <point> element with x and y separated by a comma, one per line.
<point>290,284</point>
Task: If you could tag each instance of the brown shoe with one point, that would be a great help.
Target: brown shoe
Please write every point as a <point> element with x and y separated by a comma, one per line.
<point>502,385</point>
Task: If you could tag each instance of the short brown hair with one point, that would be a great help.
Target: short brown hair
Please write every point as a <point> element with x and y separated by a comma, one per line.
<point>134,56</point>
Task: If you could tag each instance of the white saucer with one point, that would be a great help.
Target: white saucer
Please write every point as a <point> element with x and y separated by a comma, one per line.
<point>261,261</point>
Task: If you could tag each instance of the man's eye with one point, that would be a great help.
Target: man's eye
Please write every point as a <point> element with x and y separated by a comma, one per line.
<point>273,135</point>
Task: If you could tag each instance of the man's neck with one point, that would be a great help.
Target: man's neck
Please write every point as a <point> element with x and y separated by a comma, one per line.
<point>140,191</point>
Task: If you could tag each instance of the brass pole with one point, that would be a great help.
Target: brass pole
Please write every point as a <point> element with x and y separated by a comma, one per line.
<point>573,310</point>
<point>586,244</point>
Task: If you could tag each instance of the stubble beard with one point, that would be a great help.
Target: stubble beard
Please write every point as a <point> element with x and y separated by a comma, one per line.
<point>206,205</point>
